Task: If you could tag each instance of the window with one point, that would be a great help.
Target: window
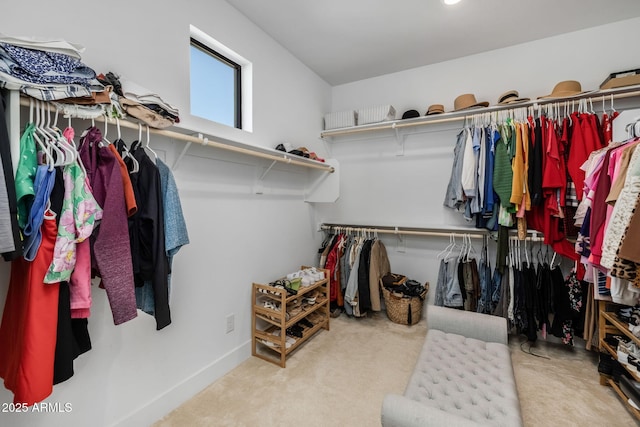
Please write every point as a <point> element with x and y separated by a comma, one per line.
<point>215,86</point>
<point>221,82</point>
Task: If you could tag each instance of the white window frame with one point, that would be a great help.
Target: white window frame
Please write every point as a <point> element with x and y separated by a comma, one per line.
<point>246,74</point>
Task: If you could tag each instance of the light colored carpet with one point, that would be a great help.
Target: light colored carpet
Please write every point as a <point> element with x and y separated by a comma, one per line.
<point>340,377</point>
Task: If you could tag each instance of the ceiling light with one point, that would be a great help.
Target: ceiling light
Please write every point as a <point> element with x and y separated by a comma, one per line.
<point>451,2</point>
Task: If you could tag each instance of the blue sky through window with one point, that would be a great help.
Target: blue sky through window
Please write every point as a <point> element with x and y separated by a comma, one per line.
<point>212,88</point>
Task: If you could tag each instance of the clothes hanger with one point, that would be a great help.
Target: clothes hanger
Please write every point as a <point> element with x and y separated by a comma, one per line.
<point>49,137</point>
<point>463,248</point>
<point>105,142</point>
<point>44,147</point>
<point>135,166</point>
<point>471,250</point>
<point>612,109</point>
<point>148,147</point>
<point>69,151</point>
<point>444,253</point>
<point>553,259</point>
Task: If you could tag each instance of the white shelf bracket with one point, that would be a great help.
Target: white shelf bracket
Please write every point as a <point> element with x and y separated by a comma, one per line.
<point>400,244</point>
<point>205,142</point>
<point>181,155</point>
<point>258,187</point>
<point>327,146</point>
<point>267,171</point>
<point>400,139</point>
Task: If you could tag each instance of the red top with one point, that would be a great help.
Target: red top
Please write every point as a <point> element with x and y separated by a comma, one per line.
<point>29,325</point>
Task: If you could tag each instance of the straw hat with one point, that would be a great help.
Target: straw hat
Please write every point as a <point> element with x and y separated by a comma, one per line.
<point>511,97</point>
<point>564,89</point>
<point>467,100</point>
<point>435,109</point>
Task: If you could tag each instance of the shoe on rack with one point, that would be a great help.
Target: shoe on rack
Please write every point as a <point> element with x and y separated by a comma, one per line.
<point>306,322</point>
<point>317,274</point>
<point>271,305</point>
<point>295,331</point>
<point>605,365</point>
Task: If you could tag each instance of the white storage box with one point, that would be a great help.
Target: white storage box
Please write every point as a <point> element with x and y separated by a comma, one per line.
<point>340,119</point>
<point>381,113</point>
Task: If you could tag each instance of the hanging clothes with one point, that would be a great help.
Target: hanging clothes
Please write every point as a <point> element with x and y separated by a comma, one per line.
<point>43,184</point>
<point>175,234</point>
<point>110,246</point>
<point>567,305</point>
<point>129,196</point>
<point>448,289</point>
<point>331,264</point>
<point>29,324</point>
<point>147,239</point>
<point>10,241</point>
<point>530,302</point>
<point>364,294</point>
<point>379,267</point>
<point>454,197</point>
<point>25,174</point>
<point>79,214</point>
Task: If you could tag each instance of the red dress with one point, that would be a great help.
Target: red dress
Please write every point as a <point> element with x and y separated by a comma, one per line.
<point>29,324</point>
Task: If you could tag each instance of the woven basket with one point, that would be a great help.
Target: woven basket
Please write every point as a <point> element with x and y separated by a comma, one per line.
<point>403,309</point>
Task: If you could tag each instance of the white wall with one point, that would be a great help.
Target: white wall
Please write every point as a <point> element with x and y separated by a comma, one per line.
<point>380,188</point>
<point>134,374</point>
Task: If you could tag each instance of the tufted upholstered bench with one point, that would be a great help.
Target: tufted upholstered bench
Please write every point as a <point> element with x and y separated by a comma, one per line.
<point>463,376</point>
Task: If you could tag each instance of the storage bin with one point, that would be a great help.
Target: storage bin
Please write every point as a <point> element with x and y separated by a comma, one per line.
<point>339,119</point>
<point>404,309</point>
<point>380,113</point>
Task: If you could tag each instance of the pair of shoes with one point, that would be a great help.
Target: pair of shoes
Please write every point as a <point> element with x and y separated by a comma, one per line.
<point>295,331</point>
<point>271,305</point>
<point>315,318</point>
<point>605,365</point>
<point>308,276</point>
<point>336,312</point>
<point>294,309</point>
<point>289,341</point>
<point>306,322</point>
<point>311,298</point>
<point>286,285</point>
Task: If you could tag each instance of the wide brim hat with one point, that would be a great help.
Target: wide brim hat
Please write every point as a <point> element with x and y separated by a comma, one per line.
<point>511,97</point>
<point>435,109</point>
<point>564,89</point>
<point>410,114</point>
<point>466,101</point>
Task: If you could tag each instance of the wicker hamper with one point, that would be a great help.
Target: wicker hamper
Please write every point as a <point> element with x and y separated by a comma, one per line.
<point>403,309</point>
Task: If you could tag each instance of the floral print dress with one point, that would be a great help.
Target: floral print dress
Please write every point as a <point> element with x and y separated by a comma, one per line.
<point>78,217</point>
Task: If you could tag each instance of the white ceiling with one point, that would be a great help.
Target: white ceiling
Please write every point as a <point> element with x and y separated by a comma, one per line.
<point>349,40</point>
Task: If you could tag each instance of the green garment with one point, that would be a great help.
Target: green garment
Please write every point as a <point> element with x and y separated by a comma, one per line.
<point>25,175</point>
<point>502,172</point>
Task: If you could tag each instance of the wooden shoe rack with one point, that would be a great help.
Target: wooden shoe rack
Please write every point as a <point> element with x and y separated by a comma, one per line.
<point>610,324</point>
<point>269,338</point>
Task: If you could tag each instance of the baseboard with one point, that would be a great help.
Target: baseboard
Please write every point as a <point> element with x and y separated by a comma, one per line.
<point>186,389</point>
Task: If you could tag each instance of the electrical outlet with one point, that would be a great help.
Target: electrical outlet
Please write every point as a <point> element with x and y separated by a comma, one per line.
<point>230,323</point>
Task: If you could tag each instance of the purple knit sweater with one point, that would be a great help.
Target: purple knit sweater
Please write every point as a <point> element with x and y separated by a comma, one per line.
<point>110,246</point>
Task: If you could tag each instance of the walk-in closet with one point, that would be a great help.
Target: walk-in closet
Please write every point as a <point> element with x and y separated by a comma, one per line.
<point>362,213</point>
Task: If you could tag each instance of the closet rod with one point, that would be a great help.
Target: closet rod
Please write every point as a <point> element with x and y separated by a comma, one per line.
<point>464,114</point>
<point>410,231</point>
<point>284,158</point>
